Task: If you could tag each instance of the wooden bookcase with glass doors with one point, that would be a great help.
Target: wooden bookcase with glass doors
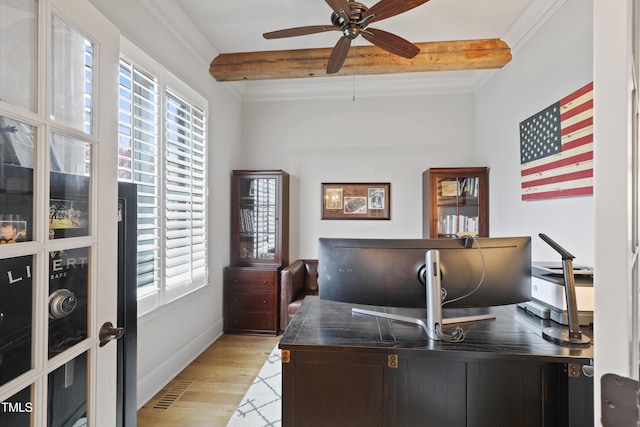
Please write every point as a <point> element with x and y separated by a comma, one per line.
<point>259,250</point>
<point>455,200</point>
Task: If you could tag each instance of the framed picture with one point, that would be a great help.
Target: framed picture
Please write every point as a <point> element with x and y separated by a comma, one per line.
<point>356,201</point>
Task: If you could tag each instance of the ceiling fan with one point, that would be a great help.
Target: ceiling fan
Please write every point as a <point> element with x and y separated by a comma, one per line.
<point>352,19</point>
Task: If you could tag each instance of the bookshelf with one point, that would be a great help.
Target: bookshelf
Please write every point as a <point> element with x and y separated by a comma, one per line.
<point>455,200</point>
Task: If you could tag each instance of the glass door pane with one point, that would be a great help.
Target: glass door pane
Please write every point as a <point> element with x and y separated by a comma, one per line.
<point>68,298</point>
<point>16,180</point>
<point>70,181</point>
<point>18,52</point>
<point>67,394</point>
<point>16,317</point>
<point>458,205</point>
<point>248,219</point>
<point>71,76</point>
<point>257,219</point>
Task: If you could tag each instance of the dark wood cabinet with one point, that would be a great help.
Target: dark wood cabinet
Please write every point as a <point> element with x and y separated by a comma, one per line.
<point>259,250</point>
<point>343,368</point>
<point>251,300</point>
<point>455,200</point>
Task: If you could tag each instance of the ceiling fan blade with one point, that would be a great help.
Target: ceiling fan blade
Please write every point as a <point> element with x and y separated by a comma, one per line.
<point>300,31</point>
<point>388,8</point>
<point>390,42</point>
<point>338,5</point>
<point>338,55</point>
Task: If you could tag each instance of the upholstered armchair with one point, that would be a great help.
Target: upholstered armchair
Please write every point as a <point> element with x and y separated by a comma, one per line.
<point>297,280</point>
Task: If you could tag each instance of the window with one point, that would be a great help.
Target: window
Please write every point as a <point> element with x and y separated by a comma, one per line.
<point>162,148</point>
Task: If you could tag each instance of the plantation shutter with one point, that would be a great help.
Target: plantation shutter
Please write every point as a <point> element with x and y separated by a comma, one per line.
<point>162,148</point>
<point>138,162</point>
<point>185,217</point>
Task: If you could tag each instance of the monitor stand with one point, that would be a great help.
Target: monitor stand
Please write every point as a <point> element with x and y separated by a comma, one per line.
<point>434,318</point>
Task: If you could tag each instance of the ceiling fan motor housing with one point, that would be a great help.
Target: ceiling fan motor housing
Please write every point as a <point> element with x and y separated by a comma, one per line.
<point>352,26</point>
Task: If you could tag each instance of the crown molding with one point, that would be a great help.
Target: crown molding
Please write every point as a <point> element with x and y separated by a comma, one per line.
<point>529,22</point>
<point>176,21</point>
<point>354,87</point>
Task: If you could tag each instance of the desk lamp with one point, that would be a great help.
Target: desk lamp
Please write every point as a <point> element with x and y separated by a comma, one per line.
<point>561,335</point>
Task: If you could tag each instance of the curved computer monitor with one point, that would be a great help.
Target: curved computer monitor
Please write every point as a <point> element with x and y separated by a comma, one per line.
<point>390,272</point>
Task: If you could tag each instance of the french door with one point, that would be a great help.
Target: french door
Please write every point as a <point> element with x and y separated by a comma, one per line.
<point>58,214</point>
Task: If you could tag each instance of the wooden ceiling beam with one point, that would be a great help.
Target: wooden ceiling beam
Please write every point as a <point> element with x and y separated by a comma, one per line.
<point>433,56</point>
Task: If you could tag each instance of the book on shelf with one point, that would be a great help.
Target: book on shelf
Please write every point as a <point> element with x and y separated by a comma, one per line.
<point>469,186</point>
<point>452,224</point>
<point>247,221</point>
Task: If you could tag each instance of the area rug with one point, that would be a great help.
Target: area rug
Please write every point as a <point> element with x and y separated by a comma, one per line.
<point>260,406</point>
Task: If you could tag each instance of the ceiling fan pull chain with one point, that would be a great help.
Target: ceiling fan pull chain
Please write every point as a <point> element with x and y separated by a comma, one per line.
<point>353,69</point>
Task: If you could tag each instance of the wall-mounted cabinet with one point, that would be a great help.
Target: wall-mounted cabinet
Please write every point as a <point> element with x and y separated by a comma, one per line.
<point>455,200</point>
<point>259,249</point>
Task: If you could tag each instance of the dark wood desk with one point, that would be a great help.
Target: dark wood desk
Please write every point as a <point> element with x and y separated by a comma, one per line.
<point>345,369</point>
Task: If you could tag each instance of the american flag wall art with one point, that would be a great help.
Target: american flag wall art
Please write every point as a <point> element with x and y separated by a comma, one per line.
<point>556,148</point>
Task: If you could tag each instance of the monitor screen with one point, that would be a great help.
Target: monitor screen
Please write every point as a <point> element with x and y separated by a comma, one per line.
<point>389,272</point>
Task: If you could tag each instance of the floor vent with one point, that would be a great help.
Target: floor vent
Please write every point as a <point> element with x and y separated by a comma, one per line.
<point>172,395</point>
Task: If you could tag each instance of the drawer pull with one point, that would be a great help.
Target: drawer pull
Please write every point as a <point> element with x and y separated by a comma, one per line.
<point>264,302</point>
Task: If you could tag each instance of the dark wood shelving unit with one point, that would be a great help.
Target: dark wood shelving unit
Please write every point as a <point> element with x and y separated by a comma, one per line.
<point>259,250</point>
<point>455,200</point>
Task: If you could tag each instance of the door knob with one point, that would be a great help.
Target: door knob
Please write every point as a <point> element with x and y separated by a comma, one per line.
<point>62,302</point>
<point>108,332</point>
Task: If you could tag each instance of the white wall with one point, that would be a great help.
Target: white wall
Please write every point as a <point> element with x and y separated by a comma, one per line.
<point>385,139</point>
<point>172,336</point>
<point>554,62</point>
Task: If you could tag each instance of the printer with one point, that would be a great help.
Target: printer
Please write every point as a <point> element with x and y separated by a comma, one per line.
<point>548,298</point>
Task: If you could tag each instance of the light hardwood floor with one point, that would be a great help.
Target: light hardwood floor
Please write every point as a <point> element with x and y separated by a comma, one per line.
<point>207,391</point>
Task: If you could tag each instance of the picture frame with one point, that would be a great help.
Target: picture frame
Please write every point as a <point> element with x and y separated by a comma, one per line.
<point>356,201</point>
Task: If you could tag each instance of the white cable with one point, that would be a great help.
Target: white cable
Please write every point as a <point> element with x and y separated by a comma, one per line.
<point>484,268</point>
<point>456,336</point>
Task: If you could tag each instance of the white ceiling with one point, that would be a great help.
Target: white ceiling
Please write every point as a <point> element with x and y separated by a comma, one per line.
<point>237,26</point>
